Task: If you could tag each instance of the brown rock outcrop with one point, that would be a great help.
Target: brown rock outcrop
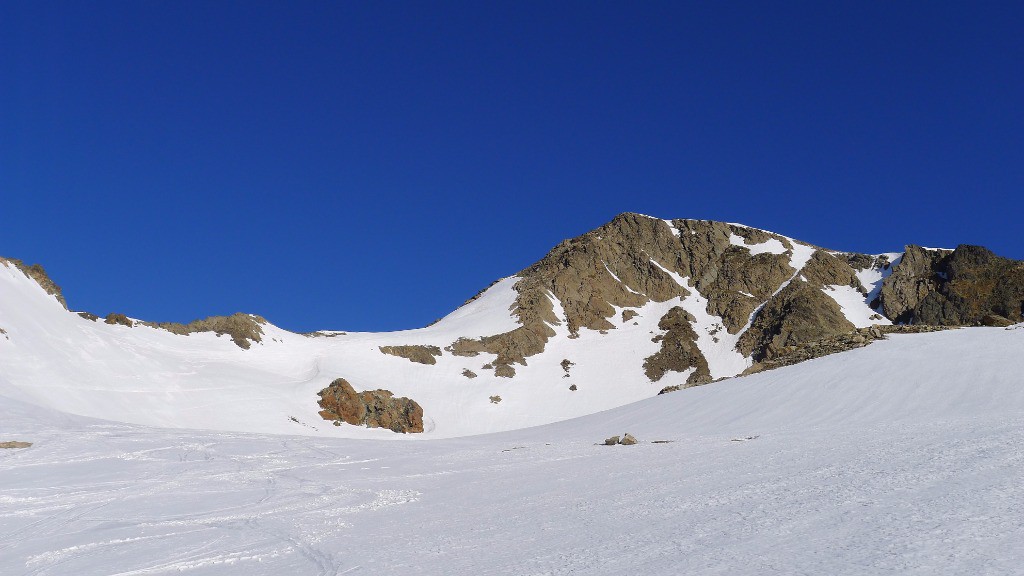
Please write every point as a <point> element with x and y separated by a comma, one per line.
<point>413,353</point>
<point>15,444</point>
<point>956,288</point>
<point>798,314</point>
<point>37,273</point>
<point>623,264</point>
<point>835,344</point>
<point>121,319</point>
<point>635,259</point>
<point>912,279</point>
<point>826,269</point>
<point>372,408</point>
<point>678,351</point>
<point>243,328</point>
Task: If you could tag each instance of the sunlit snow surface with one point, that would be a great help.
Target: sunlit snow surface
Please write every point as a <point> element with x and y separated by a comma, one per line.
<point>904,457</point>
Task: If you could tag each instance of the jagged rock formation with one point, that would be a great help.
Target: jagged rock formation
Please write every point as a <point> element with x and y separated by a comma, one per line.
<point>38,273</point>
<point>770,293</point>
<point>118,319</point>
<point>961,287</point>
<point>340,402</point>
<point>745,275</point>
<point>243,328</point>
<point>414,353</point>
<point>800,313</point>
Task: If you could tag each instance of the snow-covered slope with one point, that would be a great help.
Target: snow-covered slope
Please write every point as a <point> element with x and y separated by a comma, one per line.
<point>158,453</point>
<point>144,375</point>
<point>904,457</point>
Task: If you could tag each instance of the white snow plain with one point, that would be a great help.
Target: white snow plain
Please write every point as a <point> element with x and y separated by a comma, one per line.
<point>904,457</point>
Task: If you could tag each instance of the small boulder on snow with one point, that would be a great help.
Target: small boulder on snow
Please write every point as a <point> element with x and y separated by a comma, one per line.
<point>15,444</point>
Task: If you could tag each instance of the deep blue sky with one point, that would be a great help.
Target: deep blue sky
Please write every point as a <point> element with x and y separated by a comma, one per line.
<point>372,165</point>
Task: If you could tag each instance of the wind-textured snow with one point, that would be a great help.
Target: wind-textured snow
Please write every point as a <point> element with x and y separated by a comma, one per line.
<point>904,457</point>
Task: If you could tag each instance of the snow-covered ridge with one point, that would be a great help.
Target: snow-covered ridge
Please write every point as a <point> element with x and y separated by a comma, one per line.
<point>145,375</point>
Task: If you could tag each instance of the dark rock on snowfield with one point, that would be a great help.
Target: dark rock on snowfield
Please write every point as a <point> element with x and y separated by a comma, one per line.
<point>12,444</point>
<point>243,328</point>
<point>371,408</point>
<point>414,353</point>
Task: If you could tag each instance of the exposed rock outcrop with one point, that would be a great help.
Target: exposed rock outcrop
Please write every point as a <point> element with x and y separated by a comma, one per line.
<point>340,402</point>
<point>38,273</point>
<point>414,353</point>
<point>679,351</point>
<point>11,444</point>
<point>243,328</point>
<point>835,344</point>
<point>961,287</point>
<point>118,319</point>
<point>798,314</point>
<point>504,371</point>
<point>740,282</point>
<point>627,263</point>
<point>912,279</point>
<point>634,260</point>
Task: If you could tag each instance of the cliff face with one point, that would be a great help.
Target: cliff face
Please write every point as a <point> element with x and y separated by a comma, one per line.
<point>762,292</point>
<point>966,286</point>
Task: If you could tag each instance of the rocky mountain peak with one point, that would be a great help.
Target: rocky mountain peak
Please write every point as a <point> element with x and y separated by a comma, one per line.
<point>758,295</point>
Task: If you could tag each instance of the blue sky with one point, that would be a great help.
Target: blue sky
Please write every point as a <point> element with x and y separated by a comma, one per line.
<point>369,166</point>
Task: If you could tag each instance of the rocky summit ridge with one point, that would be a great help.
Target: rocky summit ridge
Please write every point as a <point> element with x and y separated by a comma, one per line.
<point>638,305</point>
<point>759,294</point>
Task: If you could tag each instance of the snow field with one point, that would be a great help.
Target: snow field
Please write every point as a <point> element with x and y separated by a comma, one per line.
<point>903,457</point>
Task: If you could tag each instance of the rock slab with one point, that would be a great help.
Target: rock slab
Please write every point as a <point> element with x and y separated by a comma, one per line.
<point>371,408</point>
